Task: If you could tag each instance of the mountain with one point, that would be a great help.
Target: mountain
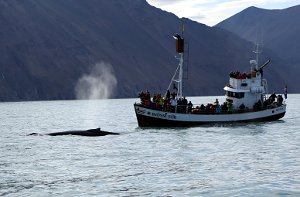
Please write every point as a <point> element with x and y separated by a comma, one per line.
<point>280,29</point>
<point>48,47</point>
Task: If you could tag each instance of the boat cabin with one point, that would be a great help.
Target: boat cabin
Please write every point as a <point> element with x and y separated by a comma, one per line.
<point>244,90</point>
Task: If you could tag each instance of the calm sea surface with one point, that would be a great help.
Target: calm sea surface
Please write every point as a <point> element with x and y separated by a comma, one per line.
<point>259,159</point>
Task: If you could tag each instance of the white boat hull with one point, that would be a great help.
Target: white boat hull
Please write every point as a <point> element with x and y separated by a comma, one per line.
<point>155,118</point>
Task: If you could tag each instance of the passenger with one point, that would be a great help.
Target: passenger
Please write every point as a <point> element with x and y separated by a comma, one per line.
<point>279,100</point>
<point>184,101</point>
<point>173,104</point>
<point>207,107</point>
<point>173,95</point>
<point>266,103</point>
<point>244,76</point>
<point>258,105</point>
<point>167,105</point>
<point>242,107</point>
<point>230,107</point>
<point>224,107</point>
<point>202,107</point>
<point>168,96</point>
<point>145,98</point>
<point>152,105</point>
<point>272,98</point>
<point>154,98</point>
<point>190,106</point>
<point>218,109</point>
<point>161,102</point>
<point>179,105</point>
<point>148,98</point>
<point>142,96</point>
<point>184,104</point>
<point>216,102</point>
<point>157,102</point>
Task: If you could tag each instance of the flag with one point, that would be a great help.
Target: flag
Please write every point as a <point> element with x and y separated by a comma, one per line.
<point>285,92</point>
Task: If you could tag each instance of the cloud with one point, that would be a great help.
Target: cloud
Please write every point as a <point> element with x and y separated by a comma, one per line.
<point>100,83</point>
<point>197,16</point>
<point>164,2</point>
<point>211,12</point>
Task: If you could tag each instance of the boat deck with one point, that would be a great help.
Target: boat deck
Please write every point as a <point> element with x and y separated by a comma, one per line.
<point>211,111</point>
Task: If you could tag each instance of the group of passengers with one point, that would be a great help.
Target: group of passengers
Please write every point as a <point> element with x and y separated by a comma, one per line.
<point>273,100</point>
<point>168,103</point>
<point>216,107</point>
<point>238,75</point>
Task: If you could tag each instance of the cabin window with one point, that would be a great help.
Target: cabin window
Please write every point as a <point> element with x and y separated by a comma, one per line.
<point>244,84</point>
<point>238,95</point>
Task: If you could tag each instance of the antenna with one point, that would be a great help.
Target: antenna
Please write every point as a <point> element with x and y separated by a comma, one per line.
<point>258,48</point>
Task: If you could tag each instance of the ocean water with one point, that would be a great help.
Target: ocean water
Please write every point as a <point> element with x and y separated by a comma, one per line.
<point>258,159</point>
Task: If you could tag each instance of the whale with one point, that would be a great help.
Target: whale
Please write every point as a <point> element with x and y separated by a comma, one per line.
<point>90,133</point>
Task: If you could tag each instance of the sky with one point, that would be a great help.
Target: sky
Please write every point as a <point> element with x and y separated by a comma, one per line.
<point>211,12</point>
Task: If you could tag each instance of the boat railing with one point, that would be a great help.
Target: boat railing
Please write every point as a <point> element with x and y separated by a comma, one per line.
<point>207,109</point>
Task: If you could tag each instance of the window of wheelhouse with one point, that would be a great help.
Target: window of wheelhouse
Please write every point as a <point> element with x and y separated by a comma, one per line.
<point>238,95</point>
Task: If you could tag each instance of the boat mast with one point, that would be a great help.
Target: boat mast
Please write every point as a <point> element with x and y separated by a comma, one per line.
<point>180,50</point>
<point>179,71</point>
<point>179,93</point>
<point>258,49</point>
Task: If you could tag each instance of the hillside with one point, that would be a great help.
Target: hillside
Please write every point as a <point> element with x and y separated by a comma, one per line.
<point>49,46</point>
<point>280,29</point>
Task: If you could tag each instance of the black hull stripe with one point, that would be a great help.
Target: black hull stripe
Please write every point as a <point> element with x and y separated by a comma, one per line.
<point>146,121</point>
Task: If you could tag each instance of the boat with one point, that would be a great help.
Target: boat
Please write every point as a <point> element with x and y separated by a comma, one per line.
<point>247,100</point>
